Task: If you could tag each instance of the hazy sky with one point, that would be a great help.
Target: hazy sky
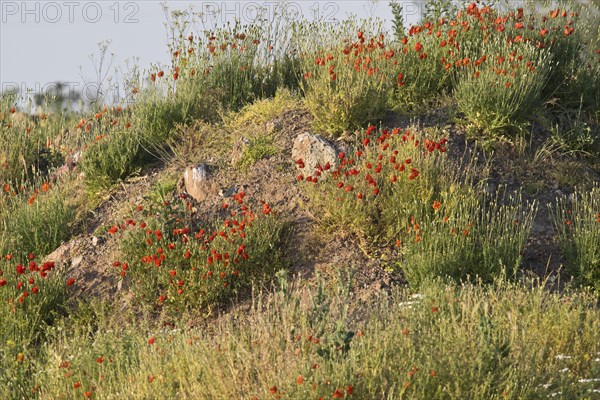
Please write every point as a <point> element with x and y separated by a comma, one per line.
<point>47,41</point>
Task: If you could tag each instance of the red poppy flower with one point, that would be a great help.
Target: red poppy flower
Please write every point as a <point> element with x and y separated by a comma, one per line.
<point>71,282</point>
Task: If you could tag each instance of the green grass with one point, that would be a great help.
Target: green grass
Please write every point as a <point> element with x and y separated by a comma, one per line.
<point>576,223</point>
<point>447,342</point>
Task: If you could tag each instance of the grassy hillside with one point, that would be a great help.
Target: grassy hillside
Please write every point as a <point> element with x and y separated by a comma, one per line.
<point>451,249</point>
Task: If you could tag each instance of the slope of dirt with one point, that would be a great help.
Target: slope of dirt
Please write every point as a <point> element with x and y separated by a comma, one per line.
<point>89,256</point>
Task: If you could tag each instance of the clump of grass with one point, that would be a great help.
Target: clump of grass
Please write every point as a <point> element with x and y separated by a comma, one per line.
<point>420,76</point>
<point>111,159</point>
<point>26,148</point>
<point>265,110</point>
<point>493,101</point>
<point>577,222</point>
<point>38,219</point>
<point>470,235</point>
<point>32,295</point>
<point>258,147</point>
<point>346,85</point>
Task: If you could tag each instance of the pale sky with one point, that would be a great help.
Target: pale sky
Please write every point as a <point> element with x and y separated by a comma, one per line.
<point>42,42</point>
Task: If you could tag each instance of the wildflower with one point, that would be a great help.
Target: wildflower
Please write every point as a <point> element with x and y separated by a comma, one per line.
<point>300,380</point>
<point>413,174</point>
<point>151,340</point>
<point>100,360</point>
<point>2,282</point>
<point>273,390</point>
<point>338,394</point>
<point>569,30</point>
<point>349,390</point>
<point>436,205</point>
<point>76,385</point>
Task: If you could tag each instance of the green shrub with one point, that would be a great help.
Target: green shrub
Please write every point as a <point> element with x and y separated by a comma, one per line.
<point>470,236</point>
<point>258,147</point>
<point>505,88</point>
<point>346,85</point>
<point>111,158</point>
<point>174,268</point>
<point>420,76</point>
<point>38,223</point>
<point>32,295</point>
<point>576,222</point>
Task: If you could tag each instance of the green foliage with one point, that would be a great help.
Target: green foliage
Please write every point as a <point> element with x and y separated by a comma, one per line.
<point>346,85</point>
<point>448,341</point>
<point>258,147</point>
<point>492,101</point>
<point>401,189</point>
<point>470,236</point>
<point>111,159</point>
<point>36,221</point>
<point>397,20</point>
<point>175,266</point>
<point>31,298</point>
<point>576,222</point>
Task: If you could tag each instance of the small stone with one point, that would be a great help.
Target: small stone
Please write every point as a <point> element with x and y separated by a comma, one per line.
<point>198,184</point>
<point>314,150</point>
